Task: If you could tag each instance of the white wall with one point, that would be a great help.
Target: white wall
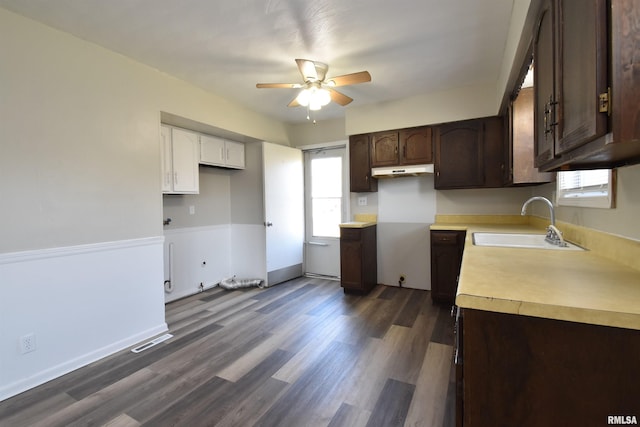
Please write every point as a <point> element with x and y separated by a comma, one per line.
<point>79,167</point>
<point>484,201</point>
<point>406,208</point>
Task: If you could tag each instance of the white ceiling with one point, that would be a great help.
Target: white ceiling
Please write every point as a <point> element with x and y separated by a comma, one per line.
<point>410,47</point>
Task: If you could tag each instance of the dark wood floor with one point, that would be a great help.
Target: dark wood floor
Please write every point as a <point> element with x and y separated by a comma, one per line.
<point>297,354</point>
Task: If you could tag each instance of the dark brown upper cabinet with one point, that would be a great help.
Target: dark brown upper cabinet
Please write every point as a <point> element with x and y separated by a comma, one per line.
<point>359,164</point>
<point>411,146</point>
<point>587,87</point>
<point>416,146</point>
<point>469,154</point>
<point>520,168</point>
<point>385,149</point>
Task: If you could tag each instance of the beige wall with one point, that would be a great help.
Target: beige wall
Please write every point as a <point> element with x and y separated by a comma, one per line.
<point>445,106</point>
<point>323,131</point>
<point>79,132</point>
<point>622,220</point>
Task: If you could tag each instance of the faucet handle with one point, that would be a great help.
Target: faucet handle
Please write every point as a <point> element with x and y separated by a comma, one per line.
<point>554,236</point>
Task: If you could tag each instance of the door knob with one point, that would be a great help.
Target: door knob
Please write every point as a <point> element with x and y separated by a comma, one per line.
<point>268,224</point>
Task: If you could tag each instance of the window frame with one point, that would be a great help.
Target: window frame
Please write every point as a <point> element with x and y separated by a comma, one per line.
<point>576,197</point>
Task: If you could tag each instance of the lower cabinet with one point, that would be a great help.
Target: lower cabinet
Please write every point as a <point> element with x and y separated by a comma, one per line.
<point>528,371</point>
<point>358,259</point>
<point>446,258</point>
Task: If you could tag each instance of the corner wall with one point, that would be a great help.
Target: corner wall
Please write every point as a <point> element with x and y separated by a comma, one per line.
<point>81,256</point>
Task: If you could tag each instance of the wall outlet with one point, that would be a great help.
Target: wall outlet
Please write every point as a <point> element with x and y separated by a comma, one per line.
<point>28,343</point>
<point>192,210</point>
<point>362,201</point>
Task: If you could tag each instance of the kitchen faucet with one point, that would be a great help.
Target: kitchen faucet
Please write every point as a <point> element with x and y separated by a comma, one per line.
<point>554,236</point>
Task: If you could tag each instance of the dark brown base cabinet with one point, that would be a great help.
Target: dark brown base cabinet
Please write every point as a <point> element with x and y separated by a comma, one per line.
<point>529,371</point>
<point>358,259</point>
<point>446,258</point>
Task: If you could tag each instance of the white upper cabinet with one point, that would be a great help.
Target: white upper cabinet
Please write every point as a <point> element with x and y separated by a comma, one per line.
<point>179,158</point>
<point>235,154</point>
<point>220,152</point>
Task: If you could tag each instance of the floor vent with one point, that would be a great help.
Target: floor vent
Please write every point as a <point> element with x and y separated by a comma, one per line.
<point>151,343</point>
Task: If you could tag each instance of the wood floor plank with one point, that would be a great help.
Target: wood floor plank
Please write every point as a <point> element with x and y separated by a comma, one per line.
<point>310,400</point>
<point>350,416</point>
<point>73,414</point>
<point>408,352</point>
<point>184,411</point>
<point>301,353</point>
<point>392,405</point>
<point>443,330</point>
<point>38,410</point>
<point>135,362</point>
<point>307,356</point>
<point>249,359</point>
<point>409,312</point>
<point>247,412</point>
<point>428,406</point>
<point>122,420</point>
<point>246,391</point>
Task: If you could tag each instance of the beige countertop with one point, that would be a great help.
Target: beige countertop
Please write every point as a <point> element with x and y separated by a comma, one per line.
<point>361,220</point>
<point>357,224</point>
<point>578,286</point>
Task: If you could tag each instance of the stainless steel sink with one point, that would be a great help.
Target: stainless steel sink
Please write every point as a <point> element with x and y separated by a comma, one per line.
<point>520,240</point>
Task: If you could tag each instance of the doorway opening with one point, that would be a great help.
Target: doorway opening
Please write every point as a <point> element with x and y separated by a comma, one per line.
<point>326,206</point>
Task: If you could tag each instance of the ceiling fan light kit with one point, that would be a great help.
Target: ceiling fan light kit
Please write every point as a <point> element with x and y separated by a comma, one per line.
<point>317,91</point>
<point>314,97</point>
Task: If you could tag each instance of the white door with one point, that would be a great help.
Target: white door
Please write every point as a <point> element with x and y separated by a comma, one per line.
<point>284,211</point>
<point>326,198</point>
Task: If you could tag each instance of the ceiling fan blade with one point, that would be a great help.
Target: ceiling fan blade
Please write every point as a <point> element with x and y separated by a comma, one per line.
<point>279,85</point>
<point>294,102</point>
<point>339,98</point>
<point>349,79</point>
<point>307,69</point>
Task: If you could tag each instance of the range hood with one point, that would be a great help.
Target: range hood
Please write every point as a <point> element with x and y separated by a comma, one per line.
<point>397,171</point>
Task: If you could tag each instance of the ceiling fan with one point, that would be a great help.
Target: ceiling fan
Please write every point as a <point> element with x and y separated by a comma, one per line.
<point>317,90</point>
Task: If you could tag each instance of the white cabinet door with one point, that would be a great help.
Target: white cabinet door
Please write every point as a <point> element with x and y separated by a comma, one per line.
<point>212,151</point>
<point>220,152</point>
<point>234,154</point>
<point>166,167</point>
<point>185,156</point>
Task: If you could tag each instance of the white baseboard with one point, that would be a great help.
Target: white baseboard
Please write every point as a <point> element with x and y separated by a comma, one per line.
<point>53,372</point>
<point>109,294</point>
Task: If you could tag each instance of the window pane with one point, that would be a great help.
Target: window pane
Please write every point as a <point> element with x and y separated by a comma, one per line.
<point>326,196</point>
<point>327,215</point>
<point>326,177</point>
<point>586,188</point>
<point>580,179</point>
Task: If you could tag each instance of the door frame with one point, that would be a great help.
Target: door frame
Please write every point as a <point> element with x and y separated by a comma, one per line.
<point>345,179</point>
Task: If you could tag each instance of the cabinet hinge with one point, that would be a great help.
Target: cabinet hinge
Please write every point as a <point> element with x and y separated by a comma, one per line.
<point>605,102</point>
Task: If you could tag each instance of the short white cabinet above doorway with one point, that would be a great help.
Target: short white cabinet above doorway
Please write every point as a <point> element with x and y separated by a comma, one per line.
<point>221,152</point>
<point>179,161</point>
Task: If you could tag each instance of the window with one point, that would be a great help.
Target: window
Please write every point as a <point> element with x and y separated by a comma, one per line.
<point>326,196</point>
<point>587,188</point>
